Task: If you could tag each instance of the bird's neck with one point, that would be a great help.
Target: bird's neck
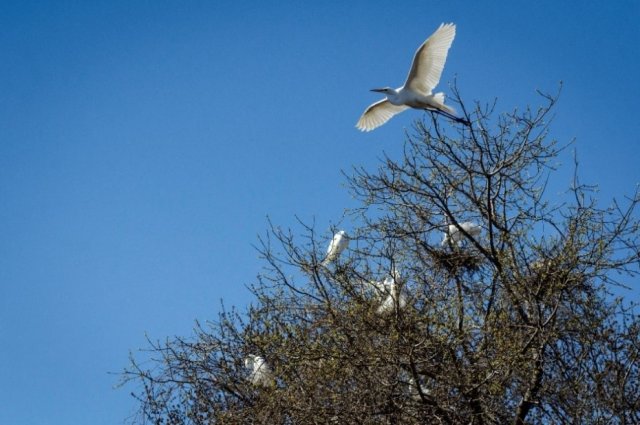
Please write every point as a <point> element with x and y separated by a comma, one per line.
<point>395,97</point>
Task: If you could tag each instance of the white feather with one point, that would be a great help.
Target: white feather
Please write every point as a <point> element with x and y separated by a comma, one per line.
<point>338,244</point>
<point>454,235</point>
<point>260,373</point>
<point>394,296</point>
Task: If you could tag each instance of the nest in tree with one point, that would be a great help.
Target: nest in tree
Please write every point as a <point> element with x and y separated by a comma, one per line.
<point>456,260</point>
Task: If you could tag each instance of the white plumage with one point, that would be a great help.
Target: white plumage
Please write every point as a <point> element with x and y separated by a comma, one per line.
<point>416,92</point>
<point>379,286</point>
<point>338,244</point>
<point>413,389</point>
<point>260,373</point>
<point>391,287</point>
<point>454,235</point>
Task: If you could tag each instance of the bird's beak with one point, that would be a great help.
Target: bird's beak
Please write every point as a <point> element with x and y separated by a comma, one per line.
<point>378,90</point>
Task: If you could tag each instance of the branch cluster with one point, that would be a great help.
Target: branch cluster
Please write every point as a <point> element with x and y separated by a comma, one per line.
<point>512,323</point>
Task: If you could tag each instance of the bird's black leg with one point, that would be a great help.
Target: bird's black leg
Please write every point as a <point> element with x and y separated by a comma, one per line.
<point>451,117</point>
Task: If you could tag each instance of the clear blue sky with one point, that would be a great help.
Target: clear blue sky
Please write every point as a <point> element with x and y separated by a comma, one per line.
<point>142,145</point>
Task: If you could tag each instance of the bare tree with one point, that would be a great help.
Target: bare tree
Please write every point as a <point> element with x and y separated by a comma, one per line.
<point>509,318</point>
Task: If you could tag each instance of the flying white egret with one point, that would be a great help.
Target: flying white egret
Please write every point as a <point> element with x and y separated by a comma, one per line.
<point>454,234</point>
<point>424,76</point>
<point>260,372</point>
<point>394,295</point>
<point>338,244</point>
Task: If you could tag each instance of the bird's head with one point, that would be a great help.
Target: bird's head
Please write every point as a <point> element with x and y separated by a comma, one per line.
<point>385,90</point>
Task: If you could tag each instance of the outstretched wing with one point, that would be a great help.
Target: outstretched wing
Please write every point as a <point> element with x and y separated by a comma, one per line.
<point>429,60</point>
<point>378,114</point>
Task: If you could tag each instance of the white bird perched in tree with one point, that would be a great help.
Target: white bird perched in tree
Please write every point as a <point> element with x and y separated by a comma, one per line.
<point>392,287</point>
<point>382,287</point>
<point>379,286</point>
<point>424,76</point>
<point>413,389</point>
<point>338,244</point>
<point>454,235</point>
<point>260,372</point>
